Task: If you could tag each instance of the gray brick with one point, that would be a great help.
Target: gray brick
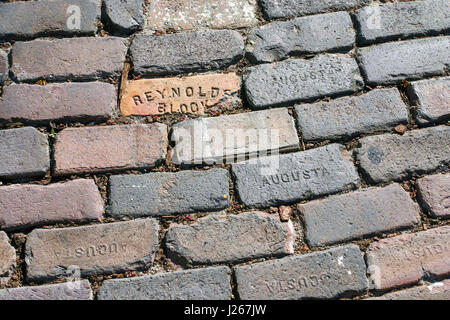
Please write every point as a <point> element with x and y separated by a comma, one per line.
<point>230,238</point>
<point>320,275</point>
<point>434,193</point>
<point>357,214</point>
<point>392,157</point>
<point>289,178</point>
<point>159,194</point>
<point>73,58</point>
<point>301,80</point>
<point>78,290</point>
<point>4,66</point>
<point>432,291</point>
<point>125,16</point>
<point>401,20</point>
<point>186,52</point>
<point>196,284</point>
<point>405,60</point>
<point>7,259</point>
<point>209,140</point>
<point>278,40</point>
<point>96,249</point>
<point>24,152</point>
<point>379,109</point>
<point>26,19</point>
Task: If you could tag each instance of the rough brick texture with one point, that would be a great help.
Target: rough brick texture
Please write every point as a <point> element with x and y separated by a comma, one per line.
<point>125,16</point>
<point>4,66</point>
<point>434,291</point>
<point>97,249</point>
<point>230,238</point>
<point>434,193</point>
<point>354,215</point>
<point>25,206</point>
<point>110,148</point>
<point>165,193</point>
<point>289,178</point>
<point>320,275</point>
<point>77,290</point>
<point>197,284</point>
<point>7,259</point>
<point>393,157</point>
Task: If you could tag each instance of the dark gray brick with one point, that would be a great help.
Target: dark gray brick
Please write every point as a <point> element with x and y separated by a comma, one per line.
<point>78,290</point>
<point>125,16</point>
<point>4,66</point>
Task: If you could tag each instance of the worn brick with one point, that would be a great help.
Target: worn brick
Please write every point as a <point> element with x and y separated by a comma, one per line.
<point>77,290</point>
<point>407,258</point>
<point>186,52</point>
<point>431,99</point>
<point>168,15</point>
<point>326,274</point>
<point>357,214</point>
<point>196,284</point>
<point>24,152</point>
<point>24,206</point>
<point>289,178</point>
<point>166,193</point>
<point>230,238</point>
<point>194,94</point>
<point>401,20</point>
<point>7,259</point>
<point>96,249</point>
<point>434,193</point>
<point>26,19</point>
<point>4,66</point>
<point>73,58</point>
<point>110,148</point>
<point>125,16</point>
<point>433,291</point>
<point>301,80</point>
<point>379,109</point>
<point>280,39</point>
<point>211,140</point>
<point>393,157</point>
<point>391,62</point>
<point>59,101</point>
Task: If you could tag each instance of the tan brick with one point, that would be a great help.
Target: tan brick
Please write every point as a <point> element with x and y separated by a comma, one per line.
<point>434,291</point>
<point>7,258</point>
<point>434,192</point>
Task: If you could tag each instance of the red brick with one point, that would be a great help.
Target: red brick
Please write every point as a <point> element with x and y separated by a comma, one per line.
<point>434,291</point>
<point>434,192</point>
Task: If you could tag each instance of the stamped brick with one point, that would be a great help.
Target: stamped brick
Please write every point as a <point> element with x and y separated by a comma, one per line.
<point>280,39</point>
<point>186,52</point>
<point>77,290</point>
<point>24,152</point>
<point>289,178</point>
<point>301,80</point>
<point>347,117</point>
<point>197,284</point>
<point>320,275</point>
<point>194,94</point>
<point>168,15</point>
<point>230,238</point>
<point>4,66</point>
<point>26,19</point>
<point>7,259</point>
<point>110,148</point>
<point>73,58</point>
<point>433,291</point>
<point>27,205</point>
<point>211,140</point>
<point>390,157</point>
<point>405,259</point>
<point>166,193</point>
<point>59,101</point>
<point>357,214</point>
<point>431,99</point>
<point>125,16</point>
<point>434,193</point>
<point>96,249</point>
<point>403,19</point>
<point>391,62</point>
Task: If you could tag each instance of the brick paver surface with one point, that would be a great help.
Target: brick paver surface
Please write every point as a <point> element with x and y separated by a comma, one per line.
<point>434,291</point>
<point>7,258</point>
<point>78,290</point>
<point>434,192</point>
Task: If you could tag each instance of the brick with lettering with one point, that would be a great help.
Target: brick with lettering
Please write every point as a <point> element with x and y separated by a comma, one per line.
<point>110,148</point>
<point>379,109</point>
<point>358,214</point>
<point>289,178</point>
<point>76,290</point>
<point>167,193</point>
<point>434,291</point>
<point>125,16</point>
<point>434,193</point>
<point>59,101</point>
<point>194,94</point>
<point>301,80</point>
<point>211,283</point>
<point>320,275</point>
<point>405,259</point>
<point>26,205</point>
<point>7,259</point>
<point>391,62</point>
<point>24,152</point>
<point>186,52</point>
<point>87,58</point>
<point>390,157</point>
<point>97,249</point>
<point>4,66</point>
